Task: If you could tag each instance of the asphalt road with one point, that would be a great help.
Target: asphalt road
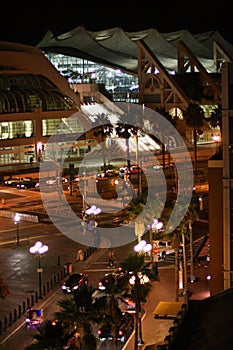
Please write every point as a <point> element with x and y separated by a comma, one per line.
<point>19,268</point>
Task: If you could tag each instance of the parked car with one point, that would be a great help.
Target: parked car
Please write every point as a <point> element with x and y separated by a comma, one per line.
<point>134,169</point>
<point>108,173</point>
<point>103,282</point>
<point>16,180</point>
<point>124,330</point>
<point>164,248</point>
<point>74,281</point>
<point>28,184</point>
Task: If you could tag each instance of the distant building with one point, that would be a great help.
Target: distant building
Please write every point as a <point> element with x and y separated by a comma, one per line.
<point>34,100</point>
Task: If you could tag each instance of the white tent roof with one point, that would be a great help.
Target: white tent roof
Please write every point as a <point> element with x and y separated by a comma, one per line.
<point>117,48</point>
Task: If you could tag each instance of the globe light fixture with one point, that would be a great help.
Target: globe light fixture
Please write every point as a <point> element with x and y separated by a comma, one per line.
<point>17,220</point>
<point>38,250</point>
<point>92,224</point>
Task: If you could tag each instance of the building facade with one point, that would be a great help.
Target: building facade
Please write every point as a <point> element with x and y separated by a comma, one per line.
<point>35,99</point>
<point>227,116</point>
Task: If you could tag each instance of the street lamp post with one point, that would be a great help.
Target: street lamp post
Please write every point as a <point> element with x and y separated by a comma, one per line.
<point>154,227</point>
<point>142,248</point>
<point>93,210</point>
<point>17,220</point>
<point>139,228</point>
<point>38,250</point>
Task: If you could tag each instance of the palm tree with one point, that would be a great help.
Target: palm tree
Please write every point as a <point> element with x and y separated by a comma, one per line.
<point>135,208</point>
<point>175,242</point>
<point>192,214</point>
<point>194,118</point>
<point>138,275</point>
<point>166,115</point>
<point>103,129</point>
<point>123,130</point>
<point>179,236</point>
<point>185,230</point>
<point>79,311</point>
<point>51,336</point>
<point>115,286</point>
<point>215,119</point>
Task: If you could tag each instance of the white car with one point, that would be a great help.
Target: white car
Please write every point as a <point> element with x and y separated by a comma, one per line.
<point>163,248</point>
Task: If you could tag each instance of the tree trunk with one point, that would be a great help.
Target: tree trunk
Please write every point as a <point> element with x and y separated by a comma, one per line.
<point>191,252</point>
<point>151,252</point>
<point>185,272</point>
<point>195,148</point>
<point>140,325</point>
<point>163,155</point>
<point>136,326</point>
<point>137,162</point>
<point>184,263</point>
<point>127,152</point>
<point>176,274</point>
<point>104,154</point>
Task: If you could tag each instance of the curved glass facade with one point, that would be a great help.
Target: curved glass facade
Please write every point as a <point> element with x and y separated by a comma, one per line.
<point>21,93</point>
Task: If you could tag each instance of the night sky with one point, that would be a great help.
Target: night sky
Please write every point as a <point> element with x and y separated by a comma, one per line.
<point>27,21</point>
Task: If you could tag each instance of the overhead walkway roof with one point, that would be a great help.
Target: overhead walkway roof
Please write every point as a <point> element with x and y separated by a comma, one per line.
<point>117,48</point>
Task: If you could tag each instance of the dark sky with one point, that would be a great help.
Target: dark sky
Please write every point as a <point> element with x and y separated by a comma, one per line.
<point>27,21</point>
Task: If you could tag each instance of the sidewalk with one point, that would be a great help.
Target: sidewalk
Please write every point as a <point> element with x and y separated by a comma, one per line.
<point>154,330</point>
<point>80,265</point>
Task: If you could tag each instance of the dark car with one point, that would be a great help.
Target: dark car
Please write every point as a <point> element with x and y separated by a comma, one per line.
<point>28,184</point>
<point>124,330</point>
<point>134,169</point>
<point>74,281</point>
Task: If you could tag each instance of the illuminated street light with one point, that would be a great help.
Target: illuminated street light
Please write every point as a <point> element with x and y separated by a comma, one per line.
<point>142,247</point>
<point>154,228</point>
<point>38,250</point>
<point>93,210</point>
<point>17,220</point>
<point>216,139</point>
<point>140,279</point>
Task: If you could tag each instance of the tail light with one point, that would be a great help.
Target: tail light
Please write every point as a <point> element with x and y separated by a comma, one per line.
<point>99,331</point>
<point>120,332</point>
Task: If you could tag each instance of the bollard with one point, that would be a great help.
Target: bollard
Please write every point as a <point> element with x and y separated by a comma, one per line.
<point>85,255</point>
<point>36,296</point>
<point>24,306</point>
<point>15,315</point>
<point>32,299</point>
<point>19,311</point>
<point>5,323</point>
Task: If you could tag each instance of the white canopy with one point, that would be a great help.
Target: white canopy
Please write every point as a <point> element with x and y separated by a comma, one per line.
<point>117,48</point>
